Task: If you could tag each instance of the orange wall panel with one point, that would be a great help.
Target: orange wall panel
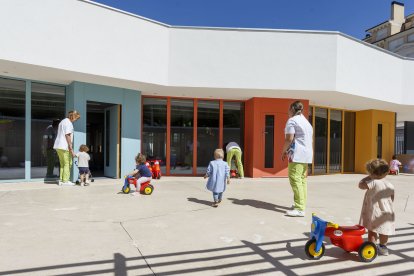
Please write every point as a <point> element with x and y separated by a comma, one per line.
<point>366,132</point>
<point>255,111</point>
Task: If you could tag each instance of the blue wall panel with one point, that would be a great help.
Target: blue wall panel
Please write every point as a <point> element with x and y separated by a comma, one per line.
<point>79,93</point>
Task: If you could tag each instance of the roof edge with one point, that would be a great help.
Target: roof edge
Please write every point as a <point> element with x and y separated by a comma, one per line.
<point>247,29</point>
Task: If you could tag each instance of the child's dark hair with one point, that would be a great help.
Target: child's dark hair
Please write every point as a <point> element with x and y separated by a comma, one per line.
<point>394,157</point>
<point>378,167</point>
<point>140,158</point>
<point>83,148</point>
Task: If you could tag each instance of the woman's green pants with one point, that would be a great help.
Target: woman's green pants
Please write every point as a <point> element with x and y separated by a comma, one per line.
<point>297,178</point>
<point>65,161</point>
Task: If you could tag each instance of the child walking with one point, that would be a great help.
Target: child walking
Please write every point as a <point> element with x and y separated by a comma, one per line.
<point>218,173</point>
<point>394,165</point>
<point>83,164</point>
<point>377,213</point>
<point>142,170</point>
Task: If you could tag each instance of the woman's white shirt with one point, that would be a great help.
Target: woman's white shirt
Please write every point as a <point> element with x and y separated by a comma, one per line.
<point>303,132</point>
<point>65,127</point>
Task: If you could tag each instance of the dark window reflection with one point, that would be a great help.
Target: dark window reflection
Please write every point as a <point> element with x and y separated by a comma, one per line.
<point>321,132</point>
<point>182,116</point>
<point>233,123</point>
<point>269,141</point>
<point>335,152</point>
<point>48,108</point>
<point>154,134</point>
<point>208,117</point>
<point>12,129</point>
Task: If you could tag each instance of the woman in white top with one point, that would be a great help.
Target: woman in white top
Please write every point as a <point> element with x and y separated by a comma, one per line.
<point>64,146</point>
<point>298,148</point>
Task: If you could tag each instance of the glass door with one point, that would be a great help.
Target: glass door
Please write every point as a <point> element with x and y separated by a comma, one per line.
<point>208,117</point>
<point>182,145</point>
<point>321,141</point>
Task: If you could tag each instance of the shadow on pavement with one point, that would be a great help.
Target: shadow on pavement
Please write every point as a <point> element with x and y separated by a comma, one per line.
<point>247,258</point>
<point>260,204</point>
<point>199,201</point>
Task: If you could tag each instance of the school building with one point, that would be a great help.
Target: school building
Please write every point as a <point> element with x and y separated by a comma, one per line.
<point>177,93</point>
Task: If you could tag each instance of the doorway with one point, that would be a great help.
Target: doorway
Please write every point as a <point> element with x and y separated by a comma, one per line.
<point>103,131</point>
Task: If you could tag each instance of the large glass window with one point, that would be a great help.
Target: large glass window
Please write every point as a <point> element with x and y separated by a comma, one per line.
<point>208,117</point>
<point>233,123</point>
<point>12,129</point>
<point>321,131</point>
<point>335,146</point>
<point>48,108</point>
<point>154,133</point>
<point>182,116</point>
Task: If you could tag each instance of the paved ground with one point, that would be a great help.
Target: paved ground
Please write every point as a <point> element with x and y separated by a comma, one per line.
<point>51,230</point>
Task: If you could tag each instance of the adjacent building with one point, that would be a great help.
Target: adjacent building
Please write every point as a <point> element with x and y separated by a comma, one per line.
<point>396,34</point>
<point>177,93</point>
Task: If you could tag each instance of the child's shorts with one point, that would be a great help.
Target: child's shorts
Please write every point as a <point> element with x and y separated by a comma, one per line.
<point>83,170</point>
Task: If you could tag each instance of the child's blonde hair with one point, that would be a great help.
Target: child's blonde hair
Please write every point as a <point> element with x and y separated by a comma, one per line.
<point>83,148</point>
<point>377,167</point>
<point>218,154</point>
<point>140,158</point>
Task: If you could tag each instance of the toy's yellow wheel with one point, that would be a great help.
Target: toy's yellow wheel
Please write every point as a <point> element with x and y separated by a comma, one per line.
<point>126,190</point>
<point>148,190</point>
<point>310,250</point>
<point>367,252</point>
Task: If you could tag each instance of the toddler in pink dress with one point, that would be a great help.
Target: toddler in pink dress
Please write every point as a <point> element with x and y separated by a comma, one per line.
<point>377,214</point>
<point>395,165</point>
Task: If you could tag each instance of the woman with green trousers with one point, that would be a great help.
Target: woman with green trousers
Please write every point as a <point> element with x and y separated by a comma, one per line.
<point>64,147</point>
<point>298,148</point>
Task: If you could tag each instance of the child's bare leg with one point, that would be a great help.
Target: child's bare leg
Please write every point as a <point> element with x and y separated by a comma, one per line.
<point>372,236</point>
<point>383,239</point>
<point>86,177</point>
<point>82,179</point>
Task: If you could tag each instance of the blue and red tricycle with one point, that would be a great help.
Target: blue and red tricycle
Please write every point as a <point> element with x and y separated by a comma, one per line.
<point>349,238</point>
<point>146,187</point>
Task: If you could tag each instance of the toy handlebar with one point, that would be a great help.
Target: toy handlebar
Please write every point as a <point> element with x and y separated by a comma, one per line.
<point>328,223</point>
<point>334,225</point>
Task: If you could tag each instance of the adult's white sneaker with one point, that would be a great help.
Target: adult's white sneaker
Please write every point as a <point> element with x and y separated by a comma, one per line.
<point>68,183</point>
<point>295,213</point>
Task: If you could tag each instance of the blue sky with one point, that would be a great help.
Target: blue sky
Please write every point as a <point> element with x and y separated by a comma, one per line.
<point>352,17</point>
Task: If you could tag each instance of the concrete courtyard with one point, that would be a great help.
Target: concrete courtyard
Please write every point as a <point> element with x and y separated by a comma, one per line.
<point>51,230</point>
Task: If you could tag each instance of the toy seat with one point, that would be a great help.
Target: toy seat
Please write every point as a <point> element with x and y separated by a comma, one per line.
<point>355,230</point>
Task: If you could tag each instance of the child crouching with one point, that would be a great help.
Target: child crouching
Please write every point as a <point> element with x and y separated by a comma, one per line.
<point>218,173</point>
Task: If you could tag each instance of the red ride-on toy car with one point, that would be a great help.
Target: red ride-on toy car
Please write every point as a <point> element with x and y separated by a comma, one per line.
<point>146,187</point>
<point>349,238</point>
<point>155,168</point>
